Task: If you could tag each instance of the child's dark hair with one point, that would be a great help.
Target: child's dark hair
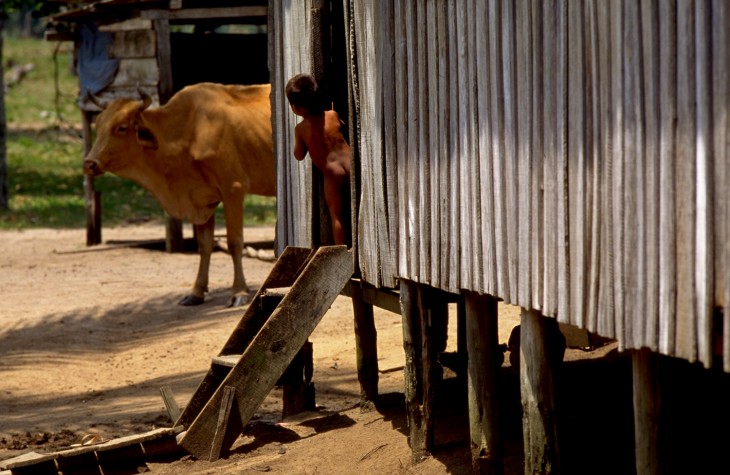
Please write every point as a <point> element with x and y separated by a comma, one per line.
<point>302,91</point>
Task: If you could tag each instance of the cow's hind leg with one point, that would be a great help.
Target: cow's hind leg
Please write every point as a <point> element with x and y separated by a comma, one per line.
<point>204,235</point>
<point>234,230</point>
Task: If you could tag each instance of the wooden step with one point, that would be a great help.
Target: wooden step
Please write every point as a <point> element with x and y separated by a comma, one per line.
<point>279,292</point>
<point>228,361</point>
<point>268,351</point>
<point>286,270</point>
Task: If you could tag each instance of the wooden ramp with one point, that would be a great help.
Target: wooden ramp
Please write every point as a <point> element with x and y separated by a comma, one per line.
<point>285,311</point>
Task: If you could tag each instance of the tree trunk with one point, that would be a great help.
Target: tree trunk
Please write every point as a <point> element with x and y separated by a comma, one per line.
<point>4,198</point>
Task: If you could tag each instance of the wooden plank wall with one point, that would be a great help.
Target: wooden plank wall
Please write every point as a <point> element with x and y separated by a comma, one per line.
<point>567,156</point>
<point>134,44</point>
<point>289,33</point>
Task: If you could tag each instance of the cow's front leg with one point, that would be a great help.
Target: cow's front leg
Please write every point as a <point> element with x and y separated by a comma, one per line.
<point>234,229</point>
<point>204,235</point>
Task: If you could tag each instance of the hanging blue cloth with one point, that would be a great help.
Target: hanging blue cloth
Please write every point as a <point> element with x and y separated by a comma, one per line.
<point>96,70</point>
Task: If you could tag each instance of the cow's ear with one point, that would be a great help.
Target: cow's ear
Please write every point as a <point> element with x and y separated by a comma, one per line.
<point>146,138</point>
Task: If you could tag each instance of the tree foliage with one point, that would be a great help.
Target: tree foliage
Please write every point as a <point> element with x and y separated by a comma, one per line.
<point>8,7</point>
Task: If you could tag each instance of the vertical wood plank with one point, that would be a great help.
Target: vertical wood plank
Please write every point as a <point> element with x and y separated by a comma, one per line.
<point>594,137</point>
<point>497,146</point>
<point>509,81</point>
<point>412,157</point>
<point>364,167</point>
<point>384,159</point>
<point>651,80</point>
<point>401,108</point>
<point>422,153</point>
<point>291,37</point>
<point>606,299</point>
<point>471,165</point>
<point>455,138</point>
<point>721,155</point>
<point>685,185</point>
<point>704,196</point>
<point>275,59</point>
<point>578,196</point>
<point>562,182</point>
<point>484,152</point>
<point>550,193</point>
<point>618,209</point>
<point>524,115</point>
<point>537,186</point>
<point>444,137</point>
<point>667,138</point>
<point>438,170</point>
<point>633,224</point>
<point>460,166</point>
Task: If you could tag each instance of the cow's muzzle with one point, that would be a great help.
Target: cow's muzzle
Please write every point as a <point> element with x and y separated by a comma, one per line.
<point>92,167</point>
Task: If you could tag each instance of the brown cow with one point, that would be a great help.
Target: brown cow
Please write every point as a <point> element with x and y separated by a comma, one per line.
<point>210,143</point>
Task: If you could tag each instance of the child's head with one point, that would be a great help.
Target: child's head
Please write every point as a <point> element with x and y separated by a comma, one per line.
<point>302,92</point>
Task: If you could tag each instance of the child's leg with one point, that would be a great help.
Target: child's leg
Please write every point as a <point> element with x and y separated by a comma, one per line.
<point>333,197</point>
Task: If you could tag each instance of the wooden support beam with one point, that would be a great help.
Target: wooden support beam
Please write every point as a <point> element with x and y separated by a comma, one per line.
<point>647,401</point>
<point>92,198</point>
<point>229,394</point>
<point>173,227</point>
<point>482,341</point>
<point>366,343</point>
<point>538,396</point>
<point>461,343</point>
<point>206,13</point>
<point>298,391</point>
<point>425,320</point>
<point>173,410</point>
<point>387,299</point>
<point>416,401</point>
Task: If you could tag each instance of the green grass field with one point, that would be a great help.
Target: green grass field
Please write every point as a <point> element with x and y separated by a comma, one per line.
<point>45,152</point>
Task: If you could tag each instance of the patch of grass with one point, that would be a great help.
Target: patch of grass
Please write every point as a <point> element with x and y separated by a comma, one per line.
<point>45,150</point>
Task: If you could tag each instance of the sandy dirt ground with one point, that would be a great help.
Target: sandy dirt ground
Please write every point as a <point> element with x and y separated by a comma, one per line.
<point>88,336</point>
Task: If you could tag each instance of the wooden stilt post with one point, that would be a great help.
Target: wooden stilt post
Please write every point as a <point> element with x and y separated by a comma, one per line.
<point>487,450</point>
<point>298,389</point>
<point>173,227</point>
<point>647,402</point>
<point>538,396</point>
<point>92,198</point>
<point>366,338</point>
<point>425,319</point>
<point>413,372</point>
<point>461,344</point>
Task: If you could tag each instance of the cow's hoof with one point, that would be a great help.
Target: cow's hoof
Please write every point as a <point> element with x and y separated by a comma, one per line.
<point>191,300</point>
<point>239,300</point>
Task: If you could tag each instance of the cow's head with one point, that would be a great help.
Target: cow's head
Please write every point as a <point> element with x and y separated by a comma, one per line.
<point>120,136</point>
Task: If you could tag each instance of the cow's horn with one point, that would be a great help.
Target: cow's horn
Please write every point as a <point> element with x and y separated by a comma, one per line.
<point>146,98</point>
<point>94,100</point>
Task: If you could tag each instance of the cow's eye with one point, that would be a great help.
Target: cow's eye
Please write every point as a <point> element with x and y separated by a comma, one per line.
<point>121,129</point>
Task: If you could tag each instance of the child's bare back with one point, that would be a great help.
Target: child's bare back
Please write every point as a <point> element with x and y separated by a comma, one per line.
<point>320,134</point>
